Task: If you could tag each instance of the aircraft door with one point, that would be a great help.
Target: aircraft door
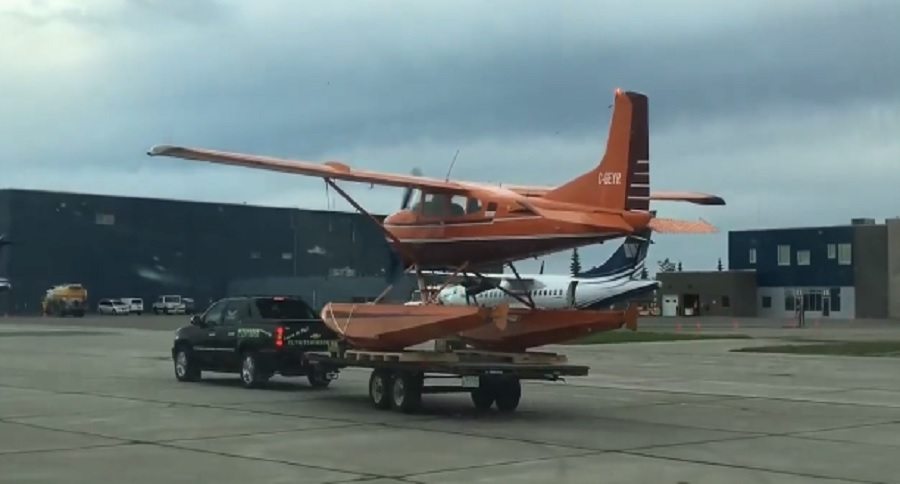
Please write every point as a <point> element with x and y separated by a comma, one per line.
<point>570,294</point>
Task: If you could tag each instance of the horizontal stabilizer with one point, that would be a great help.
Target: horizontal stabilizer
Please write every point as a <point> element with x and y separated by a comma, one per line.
<point>690,197</point>
<point>672,226</point>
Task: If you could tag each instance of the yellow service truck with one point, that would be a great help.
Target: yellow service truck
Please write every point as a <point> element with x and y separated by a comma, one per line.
<point>65,300</point>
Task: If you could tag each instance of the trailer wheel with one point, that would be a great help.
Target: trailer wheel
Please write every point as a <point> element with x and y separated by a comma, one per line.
<point>380,389</point>
<point>406,391</point>
<point>483,397</point>
<point>508,392</point>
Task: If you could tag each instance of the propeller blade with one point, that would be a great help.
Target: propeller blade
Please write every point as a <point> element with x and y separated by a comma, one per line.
<point>407,192</point>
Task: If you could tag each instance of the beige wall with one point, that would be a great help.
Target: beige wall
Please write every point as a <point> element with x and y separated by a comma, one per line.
<point>893,266</point>
<point>870,271</point>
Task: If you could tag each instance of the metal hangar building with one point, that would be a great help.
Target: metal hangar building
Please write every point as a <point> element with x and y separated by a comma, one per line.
<point>143,247</point>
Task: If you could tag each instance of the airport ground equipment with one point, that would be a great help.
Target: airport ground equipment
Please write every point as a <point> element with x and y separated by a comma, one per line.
<point>399,379</point>
<point>65,300</point>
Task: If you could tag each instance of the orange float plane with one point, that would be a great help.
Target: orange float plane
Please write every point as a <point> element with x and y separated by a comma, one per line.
<point>459,224</point>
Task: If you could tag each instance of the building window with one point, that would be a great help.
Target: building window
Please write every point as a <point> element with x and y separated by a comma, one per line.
<point>802,257</point>
<point>255,254</point>
<point>752,256</point>
<point>287,255</point>
<point>812,300</point>
<point>845,254</point>
<point>784,255</point>
<point>766,302</point>
<point>788,300</point>
<point>832,251</point>
<point>105,219</point>
<point>726,302</point>
<point>835,298</point>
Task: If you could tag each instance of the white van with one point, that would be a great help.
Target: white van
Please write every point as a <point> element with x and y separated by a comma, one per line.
<point>135,305</point>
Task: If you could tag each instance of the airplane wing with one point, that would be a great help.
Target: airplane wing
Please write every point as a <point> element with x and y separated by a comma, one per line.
<point>331,169</point>
<point>697,198</point>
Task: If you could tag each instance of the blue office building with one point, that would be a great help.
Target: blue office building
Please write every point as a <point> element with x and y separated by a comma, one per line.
<point>836,271</point>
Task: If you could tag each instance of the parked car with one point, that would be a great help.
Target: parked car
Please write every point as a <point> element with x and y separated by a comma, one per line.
<point>169,304</point>
<point>112,306</point>
<point>135,304</point>
<point>189,306</point>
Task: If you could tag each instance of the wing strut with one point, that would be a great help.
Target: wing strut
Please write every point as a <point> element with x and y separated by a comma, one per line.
<point>528,302</point>
<point>400,246</point>
<point>519,278</point>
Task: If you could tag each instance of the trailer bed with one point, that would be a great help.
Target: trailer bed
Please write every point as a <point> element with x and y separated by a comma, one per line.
<point>492,378</point>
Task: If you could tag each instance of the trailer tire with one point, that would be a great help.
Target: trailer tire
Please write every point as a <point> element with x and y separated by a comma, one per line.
<point>380,389</point>
<point>406,391</point>
<point>508,392</point>
<point>483,397</point>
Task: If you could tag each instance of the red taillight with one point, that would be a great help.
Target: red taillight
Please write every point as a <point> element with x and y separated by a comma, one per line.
<point>279,336</point>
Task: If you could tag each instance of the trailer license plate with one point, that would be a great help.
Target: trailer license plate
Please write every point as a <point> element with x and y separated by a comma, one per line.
<point>470,381</point>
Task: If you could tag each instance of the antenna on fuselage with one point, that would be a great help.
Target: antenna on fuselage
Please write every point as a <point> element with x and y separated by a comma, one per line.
<point>453,162</point>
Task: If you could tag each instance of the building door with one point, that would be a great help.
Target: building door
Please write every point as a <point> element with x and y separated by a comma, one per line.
<point>826,303</point>
<point>670,305</point>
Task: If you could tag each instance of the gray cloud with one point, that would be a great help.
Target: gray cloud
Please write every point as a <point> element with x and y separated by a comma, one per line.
<point>771,104</point>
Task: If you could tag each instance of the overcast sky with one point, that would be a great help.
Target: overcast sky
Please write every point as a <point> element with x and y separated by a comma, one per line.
<point>790,110</point>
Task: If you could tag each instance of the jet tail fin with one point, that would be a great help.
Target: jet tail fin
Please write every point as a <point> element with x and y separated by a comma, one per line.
<point>626,260</point>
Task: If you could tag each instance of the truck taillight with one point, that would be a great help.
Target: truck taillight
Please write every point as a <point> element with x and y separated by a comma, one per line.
<point>279,336</point>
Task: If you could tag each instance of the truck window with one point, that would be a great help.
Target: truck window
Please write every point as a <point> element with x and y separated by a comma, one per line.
<point>236,312</point>
<point>284,308</point>
<point>213,315</point>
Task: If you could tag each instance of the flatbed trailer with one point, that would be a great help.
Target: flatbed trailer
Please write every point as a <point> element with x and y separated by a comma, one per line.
<point>398,379</point>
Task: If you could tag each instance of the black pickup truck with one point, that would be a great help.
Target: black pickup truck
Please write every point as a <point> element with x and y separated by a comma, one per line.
<point>255,336</point>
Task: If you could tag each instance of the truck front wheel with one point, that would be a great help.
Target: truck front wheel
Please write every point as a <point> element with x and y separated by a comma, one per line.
<point>186,368</point>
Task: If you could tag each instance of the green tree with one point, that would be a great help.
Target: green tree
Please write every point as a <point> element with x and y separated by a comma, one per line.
<point>679,266</point>
<point>720,264</point>
<point>575,265</point>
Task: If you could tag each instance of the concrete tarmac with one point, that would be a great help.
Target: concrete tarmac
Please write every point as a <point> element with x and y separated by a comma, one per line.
<point>95,399</point>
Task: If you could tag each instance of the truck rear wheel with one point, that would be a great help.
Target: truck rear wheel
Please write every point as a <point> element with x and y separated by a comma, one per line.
<point>317,378</point>
<point>252,376</point>
<point>380,389</point>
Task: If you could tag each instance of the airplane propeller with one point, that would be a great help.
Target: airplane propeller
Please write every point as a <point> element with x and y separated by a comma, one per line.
<point>407,192</point>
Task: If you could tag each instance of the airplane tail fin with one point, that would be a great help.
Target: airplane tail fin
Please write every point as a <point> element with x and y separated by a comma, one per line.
<point>626,260</point>
<point>621,180</point>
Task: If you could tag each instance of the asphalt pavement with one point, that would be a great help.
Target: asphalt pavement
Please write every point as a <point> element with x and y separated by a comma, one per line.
<point>95,399</point>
